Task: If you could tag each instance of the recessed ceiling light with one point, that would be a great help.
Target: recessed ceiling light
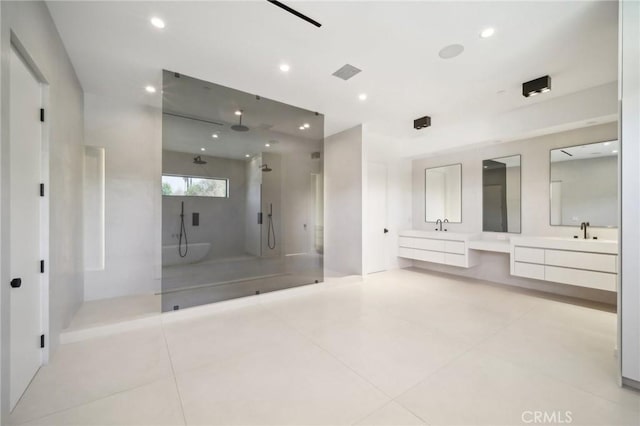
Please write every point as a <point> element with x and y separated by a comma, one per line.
<point>247,155</point>
<point>306,125</point>
<point>285,67</point>
<point>362,96</point>
<point>487,32</point>
<point>615,151</point>
<point>238,112</point>
<point>215,136</point>
<point>150,89</point>
<point>451,51</point>
<point>301,127</point>
<point>267,145</point>
<point>606,143</point>
<point>157,22</point>
<point>201,149</point>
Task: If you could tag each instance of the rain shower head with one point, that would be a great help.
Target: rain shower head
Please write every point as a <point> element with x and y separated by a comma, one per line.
<point>198,160</point>
<point>265,168</point>
<point>240,127</point>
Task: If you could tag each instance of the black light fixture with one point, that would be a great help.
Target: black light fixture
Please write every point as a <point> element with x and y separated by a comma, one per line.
<point>422,122</point>
<point>539,85</point>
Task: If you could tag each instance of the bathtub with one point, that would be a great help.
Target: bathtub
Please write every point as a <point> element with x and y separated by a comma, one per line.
<point>196,252</point>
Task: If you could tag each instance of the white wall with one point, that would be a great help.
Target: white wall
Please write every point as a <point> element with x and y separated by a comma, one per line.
<point>629,294</point>
<point>540,118</point>
<point>222,220</point>
<point>535,202</point>
<point>131,137</point>
<point>343,200</point>
<point>33,27</point>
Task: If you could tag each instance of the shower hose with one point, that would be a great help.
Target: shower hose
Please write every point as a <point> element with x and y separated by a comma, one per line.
<point>271,232</point>
<point>183,234</point>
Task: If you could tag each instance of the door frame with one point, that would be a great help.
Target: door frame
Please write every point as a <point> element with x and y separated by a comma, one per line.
<point>30,63</point>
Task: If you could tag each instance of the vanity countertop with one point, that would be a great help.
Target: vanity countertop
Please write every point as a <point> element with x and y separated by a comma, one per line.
<point>499,246</point>
<point>439,235</point>
<point>567,243</point>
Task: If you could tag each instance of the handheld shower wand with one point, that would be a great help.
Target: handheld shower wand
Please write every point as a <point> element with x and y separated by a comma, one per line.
<point>271,232</point>
<point>183,234</point>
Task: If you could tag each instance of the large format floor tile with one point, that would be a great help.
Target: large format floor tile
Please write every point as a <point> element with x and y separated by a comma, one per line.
<point>277,387</point>
<point>391,353</point>
<point>213,339</point>
<point>402,347</point>
<point>480,389</point>
<point>86,371</point>
<point>157,403</point>
<point>573,344</point>
<point>392,414</point>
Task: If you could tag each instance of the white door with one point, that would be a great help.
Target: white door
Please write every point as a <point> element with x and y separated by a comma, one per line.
<point>25,145</point>
<point>376,248</point>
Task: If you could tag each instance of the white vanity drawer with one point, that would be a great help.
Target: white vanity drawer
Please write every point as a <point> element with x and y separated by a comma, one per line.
<point>581,260</point>
<point>530,255</point>
<point>454,247</point>
<point>422,243</point>
<point>528,270</point>
<point>455,259</point>
<point>599,280</point>
<point>425,255</point>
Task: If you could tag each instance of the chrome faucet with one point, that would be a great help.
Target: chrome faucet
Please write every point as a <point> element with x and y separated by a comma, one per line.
<point>439,223</point>
<point>446,221</point>
<point>584,226</point>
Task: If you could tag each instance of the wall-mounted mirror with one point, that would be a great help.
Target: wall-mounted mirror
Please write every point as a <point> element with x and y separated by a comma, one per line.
<point>443,193</point>
<point>584,185</point>
<point>501,194</point>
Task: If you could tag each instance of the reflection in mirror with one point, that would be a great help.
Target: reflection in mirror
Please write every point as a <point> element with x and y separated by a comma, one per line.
<point>584,185</point>
<point>242,205</point>
<point>443,193</point>
<point>501,194</point>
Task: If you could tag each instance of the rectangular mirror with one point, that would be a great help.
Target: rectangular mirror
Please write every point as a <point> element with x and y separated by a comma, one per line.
<point>584,185</point>
<point>501,194</point>
<point>443,193</point>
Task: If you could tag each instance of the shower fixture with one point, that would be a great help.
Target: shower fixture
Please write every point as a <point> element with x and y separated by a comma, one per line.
<point>198,160</point>
<point>271,232</point>
<point>240,127</point>
<point>265,168</point>
<point>183,235</point>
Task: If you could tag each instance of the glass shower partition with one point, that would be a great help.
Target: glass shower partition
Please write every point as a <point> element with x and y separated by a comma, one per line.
<point>242,194</point>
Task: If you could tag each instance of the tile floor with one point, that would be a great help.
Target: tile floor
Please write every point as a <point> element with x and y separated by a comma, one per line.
<point>402,348</point>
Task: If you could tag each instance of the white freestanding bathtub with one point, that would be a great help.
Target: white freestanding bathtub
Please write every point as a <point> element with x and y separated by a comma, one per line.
<point>195,253</point>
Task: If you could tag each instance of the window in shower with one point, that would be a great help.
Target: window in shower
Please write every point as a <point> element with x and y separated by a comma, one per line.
<point>194,186</point>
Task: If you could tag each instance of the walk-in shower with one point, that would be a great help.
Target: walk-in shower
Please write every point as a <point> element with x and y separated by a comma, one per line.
<point>242,210</point>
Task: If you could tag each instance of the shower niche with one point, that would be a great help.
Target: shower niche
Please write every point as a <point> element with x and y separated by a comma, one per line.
<point>242,204</point>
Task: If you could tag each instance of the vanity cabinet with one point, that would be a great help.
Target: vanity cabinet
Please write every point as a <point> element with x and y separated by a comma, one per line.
<point>592,264</point>
<point>437,247</point>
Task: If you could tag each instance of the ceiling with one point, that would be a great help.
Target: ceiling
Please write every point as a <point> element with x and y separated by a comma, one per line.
<point>241,44</point>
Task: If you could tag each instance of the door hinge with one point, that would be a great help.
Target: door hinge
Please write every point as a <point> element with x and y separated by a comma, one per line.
<point>42,266</point>
<point>42,115</point>
<point>42,189</point>
<point>42,340</point>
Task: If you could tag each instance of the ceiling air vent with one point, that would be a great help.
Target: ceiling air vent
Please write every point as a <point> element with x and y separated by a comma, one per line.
<point>346,72</point>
